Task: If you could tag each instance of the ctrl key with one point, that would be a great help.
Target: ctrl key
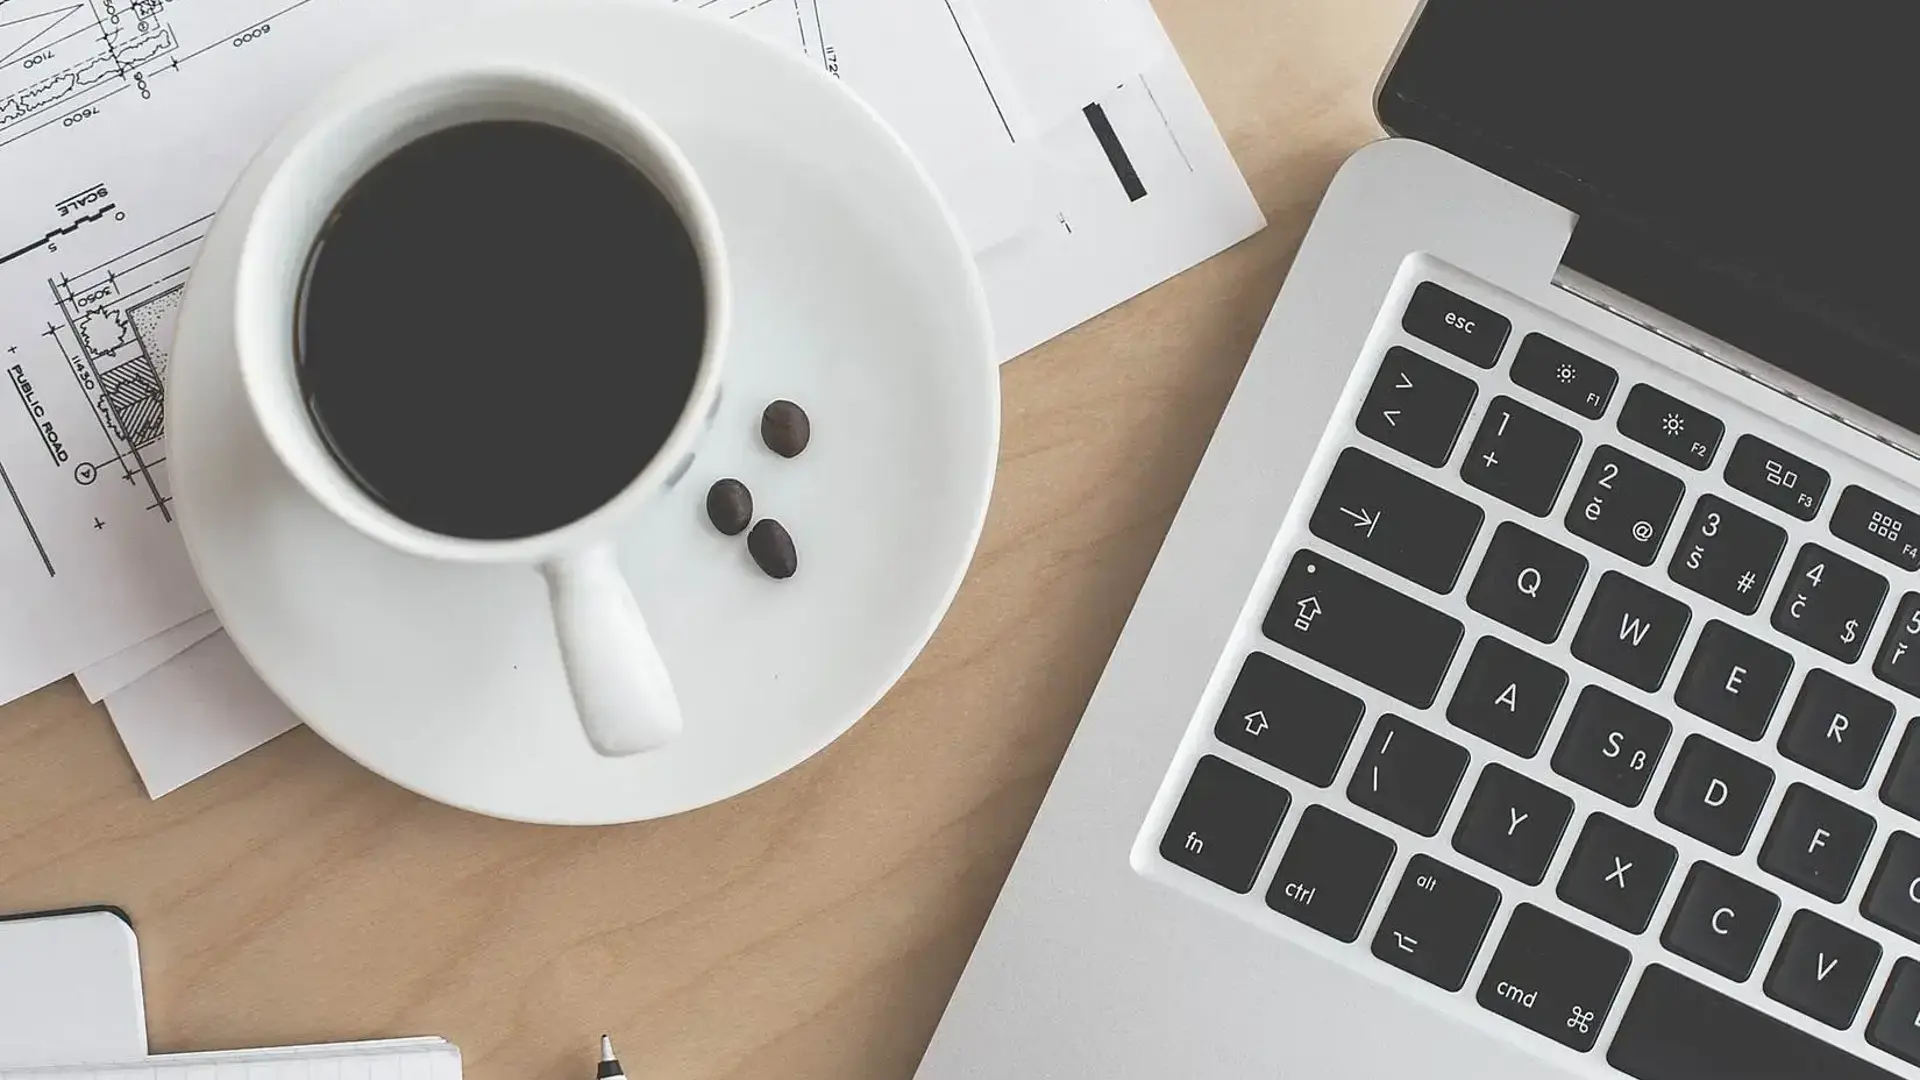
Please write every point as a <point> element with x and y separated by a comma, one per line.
<point>1224,824</point>
<point>1553,977</point>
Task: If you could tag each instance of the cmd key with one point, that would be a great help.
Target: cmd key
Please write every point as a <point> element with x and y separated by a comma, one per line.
<point>1553,977</point>
<point>1364,629</point>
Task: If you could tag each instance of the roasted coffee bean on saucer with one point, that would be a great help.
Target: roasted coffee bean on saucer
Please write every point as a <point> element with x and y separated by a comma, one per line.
<point>730,506</point>
<point>772,549</point>
<point>785,429</point>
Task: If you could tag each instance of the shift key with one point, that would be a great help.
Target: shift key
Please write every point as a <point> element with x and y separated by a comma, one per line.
<point>1363,629</point>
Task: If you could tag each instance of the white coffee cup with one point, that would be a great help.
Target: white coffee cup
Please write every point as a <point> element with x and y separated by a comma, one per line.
<point>620,685</point>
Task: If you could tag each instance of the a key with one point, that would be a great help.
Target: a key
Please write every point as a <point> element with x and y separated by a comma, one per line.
<point>1564,376</point>
<point>1512,824</point>
<point>1289,719</point>
<point>1611,746</point>
<point>1624,505</point>
<point>1896,1020</point>
<point>1416,406</point>
<point>1829,603</point>
<point>1662,422</point>
<point>1878,526</point>
<point>1836,728</point>
<point>1893,895</point>
<point>1631,631</point>
<point>1901,789</point>
<point>1363,629</point>
<point>1676,1029</point>
<point>1616,873</point>
<point>1822,969</point>
<point>1407,775</point>
<point>1899,661</point>
<point>1506,696</point>
<point>1720,921</point>
<point>1521,456</point>
<point>1784,481</point>
<point>1396,520</point>
<point>1527,582</point>
<point>1816,842</point>
<point>1470,331</point>
<point>1714,795</point>
<point>1554,978</point>
<point>1727,554</point>
<point>1435,922</point>
<point>1226,821</point>
<point>1330,874</point>
<point>1734,679</point>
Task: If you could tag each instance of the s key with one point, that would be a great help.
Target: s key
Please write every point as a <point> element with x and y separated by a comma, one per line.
<point>1396,520</point>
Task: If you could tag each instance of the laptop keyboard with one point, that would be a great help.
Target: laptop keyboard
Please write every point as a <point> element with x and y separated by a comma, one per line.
<point>1576,697</point>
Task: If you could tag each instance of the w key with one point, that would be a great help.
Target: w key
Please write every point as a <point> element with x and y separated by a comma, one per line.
<point>1396,520</point>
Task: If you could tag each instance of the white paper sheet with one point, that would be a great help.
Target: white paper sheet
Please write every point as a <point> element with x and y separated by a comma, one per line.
<point>1108,240</point>
<point>1059,55</point>
<point>122,668</point>
<point>194,714</point>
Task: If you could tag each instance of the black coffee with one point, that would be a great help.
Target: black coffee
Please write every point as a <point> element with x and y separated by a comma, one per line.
<point>499,327</point>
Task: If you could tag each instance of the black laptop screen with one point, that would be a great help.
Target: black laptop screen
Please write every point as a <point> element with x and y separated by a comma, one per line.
<point>1752,166</point>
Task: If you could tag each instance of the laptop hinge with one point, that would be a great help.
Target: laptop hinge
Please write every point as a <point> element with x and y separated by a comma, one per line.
<point>1838,367</point>
<point>1724,354</point>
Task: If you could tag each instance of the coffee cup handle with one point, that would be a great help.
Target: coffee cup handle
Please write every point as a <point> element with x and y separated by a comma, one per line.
<point>620,685</point>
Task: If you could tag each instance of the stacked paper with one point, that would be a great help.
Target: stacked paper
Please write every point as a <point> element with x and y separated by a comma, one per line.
<point>1067,136</point>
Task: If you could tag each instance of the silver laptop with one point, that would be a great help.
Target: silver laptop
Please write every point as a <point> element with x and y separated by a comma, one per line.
<point>1527,684</point>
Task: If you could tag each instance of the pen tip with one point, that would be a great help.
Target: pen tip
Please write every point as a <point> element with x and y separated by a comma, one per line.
<point>606,1048</point>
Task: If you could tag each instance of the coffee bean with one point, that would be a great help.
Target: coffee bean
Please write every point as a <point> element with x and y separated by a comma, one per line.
<point>729,506</point>
<point>785,429</point>
<point>772,549</point>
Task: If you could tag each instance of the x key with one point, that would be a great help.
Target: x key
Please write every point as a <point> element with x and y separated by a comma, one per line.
<point>1617,872</point>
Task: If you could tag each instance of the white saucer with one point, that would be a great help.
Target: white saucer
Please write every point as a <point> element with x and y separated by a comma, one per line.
<point>855,297</point>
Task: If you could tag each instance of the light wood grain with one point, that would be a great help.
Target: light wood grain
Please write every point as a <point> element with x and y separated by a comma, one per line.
<point>813,927</point>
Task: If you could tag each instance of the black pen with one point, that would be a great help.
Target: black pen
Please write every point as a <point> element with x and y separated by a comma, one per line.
<point>609,1065</point>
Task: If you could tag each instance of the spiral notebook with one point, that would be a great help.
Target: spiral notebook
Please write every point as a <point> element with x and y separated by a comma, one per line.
<point>391,1059</point>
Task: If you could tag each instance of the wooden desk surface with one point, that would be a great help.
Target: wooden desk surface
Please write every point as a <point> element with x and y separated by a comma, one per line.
<point>811,928</point>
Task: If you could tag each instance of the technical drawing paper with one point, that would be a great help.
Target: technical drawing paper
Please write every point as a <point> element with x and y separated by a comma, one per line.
<point>194,714</point>
<point>122,668</point>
